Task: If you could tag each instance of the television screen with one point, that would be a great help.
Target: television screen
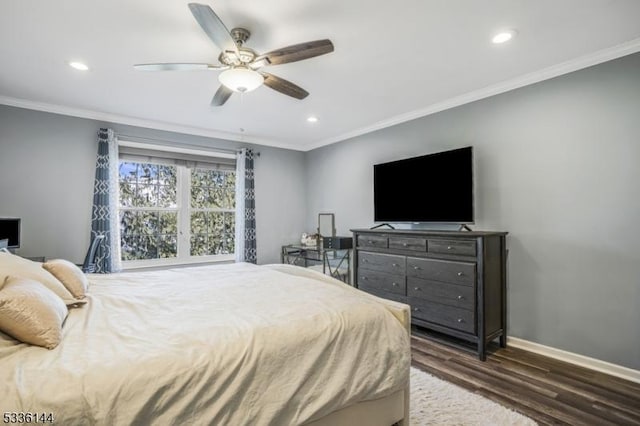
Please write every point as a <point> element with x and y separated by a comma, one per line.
<point>10,229</point>
<point>431,188</point>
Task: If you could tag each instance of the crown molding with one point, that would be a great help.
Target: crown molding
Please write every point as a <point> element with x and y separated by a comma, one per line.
<point>576,64</point>
<point>557,70</point>
<point>140,122</point>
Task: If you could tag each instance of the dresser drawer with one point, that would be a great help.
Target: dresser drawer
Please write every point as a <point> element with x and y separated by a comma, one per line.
<point>382,281</point>
<point>448,316</point>
<point>384,294</point>
<point>372,241</point>
<point>460,296</point>
<point>388,263</point>
<point>442,270</point>
<point>460,247</point>
<point>405,243</point>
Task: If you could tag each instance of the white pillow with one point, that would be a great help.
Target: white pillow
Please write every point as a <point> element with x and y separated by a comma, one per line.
<point>31,313</point>
<point>69,275</point>
<point>16,266</point>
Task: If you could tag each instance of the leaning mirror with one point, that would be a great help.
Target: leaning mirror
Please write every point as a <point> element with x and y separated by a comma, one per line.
<point>326,225</point>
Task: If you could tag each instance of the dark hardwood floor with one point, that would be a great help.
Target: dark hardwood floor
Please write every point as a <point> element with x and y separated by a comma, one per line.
<point>543,389</point>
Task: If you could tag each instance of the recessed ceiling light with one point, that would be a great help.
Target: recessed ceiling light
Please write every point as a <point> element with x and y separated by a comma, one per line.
<point>78,66</point>
<point>503,36</point>
<point>312,119</point>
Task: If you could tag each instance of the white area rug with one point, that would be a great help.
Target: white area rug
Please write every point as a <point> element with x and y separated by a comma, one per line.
<point>436,402</point>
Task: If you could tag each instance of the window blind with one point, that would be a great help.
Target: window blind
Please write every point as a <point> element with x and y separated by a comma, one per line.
<point>141,155</point>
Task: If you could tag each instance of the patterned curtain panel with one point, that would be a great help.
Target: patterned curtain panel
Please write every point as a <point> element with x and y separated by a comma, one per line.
<point>245,208</point>
<point>104,213</point>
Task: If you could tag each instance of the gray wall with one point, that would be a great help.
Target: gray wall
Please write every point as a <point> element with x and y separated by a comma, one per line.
<point>558,167</point>
<point>47,165</point>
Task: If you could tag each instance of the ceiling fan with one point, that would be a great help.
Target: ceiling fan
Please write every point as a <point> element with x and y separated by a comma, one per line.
<point>241,65</point>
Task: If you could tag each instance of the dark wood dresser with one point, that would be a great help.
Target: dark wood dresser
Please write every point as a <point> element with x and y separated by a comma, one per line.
<point>454,281</point>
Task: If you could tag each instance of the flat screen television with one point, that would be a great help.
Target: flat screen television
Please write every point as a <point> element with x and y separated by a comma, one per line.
<point>436,188</point>
<point>10,229</point>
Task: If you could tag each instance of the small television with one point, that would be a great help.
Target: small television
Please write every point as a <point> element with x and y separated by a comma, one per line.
<point>10,230</point>
<point>435,188</point>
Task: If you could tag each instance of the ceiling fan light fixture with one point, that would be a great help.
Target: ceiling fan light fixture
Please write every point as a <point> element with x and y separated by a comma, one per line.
<point>241,79</point>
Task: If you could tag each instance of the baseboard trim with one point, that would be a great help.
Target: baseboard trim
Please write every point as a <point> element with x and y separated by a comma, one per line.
<point>576,359</point>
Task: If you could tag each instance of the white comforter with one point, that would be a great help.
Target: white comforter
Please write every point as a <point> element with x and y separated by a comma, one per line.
<point>223,345</point>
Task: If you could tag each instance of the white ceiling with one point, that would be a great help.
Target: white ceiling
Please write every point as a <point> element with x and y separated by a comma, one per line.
<point>393,61</point>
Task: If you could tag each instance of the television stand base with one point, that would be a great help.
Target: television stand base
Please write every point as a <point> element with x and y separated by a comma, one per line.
<point>464,228</point>
<point>381,225</point>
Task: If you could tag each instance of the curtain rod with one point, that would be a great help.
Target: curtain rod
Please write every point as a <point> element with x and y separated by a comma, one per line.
<point>182,144</point>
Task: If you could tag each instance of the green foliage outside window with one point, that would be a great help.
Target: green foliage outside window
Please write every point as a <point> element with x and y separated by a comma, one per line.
<point>149,209</point>
<point>147,185</point>
<point>212,228</point>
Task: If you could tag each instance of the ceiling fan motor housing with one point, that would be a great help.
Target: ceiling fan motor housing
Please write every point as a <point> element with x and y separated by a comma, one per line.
<point>240,35</point>
<point>244,54</point>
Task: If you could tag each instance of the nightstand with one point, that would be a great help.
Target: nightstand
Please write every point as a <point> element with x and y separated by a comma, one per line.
<point>329,261</point>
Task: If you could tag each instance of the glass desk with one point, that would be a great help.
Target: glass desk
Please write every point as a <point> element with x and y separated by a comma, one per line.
<point>329,261</point>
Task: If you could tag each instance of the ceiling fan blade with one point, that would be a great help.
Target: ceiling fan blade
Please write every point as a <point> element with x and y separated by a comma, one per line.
<point>177,67</point>
<point>294,53</point>
<point>284,86</point>
<point>213,27</point>
<point>222,94</point>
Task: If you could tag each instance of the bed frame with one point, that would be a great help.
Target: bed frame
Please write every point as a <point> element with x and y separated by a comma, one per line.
<point>393,409</point>
<point>387,411</point>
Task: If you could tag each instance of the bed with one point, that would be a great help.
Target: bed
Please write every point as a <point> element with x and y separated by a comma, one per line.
<point>226,345</point>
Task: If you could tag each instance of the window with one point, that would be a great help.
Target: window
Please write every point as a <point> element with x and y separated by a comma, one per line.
<point>175,211</point>
<point>148,211</point>
<point>212,214</point>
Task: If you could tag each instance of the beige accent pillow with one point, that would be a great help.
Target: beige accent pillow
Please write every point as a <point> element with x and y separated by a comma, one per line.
<point>69,275</point>
<point>16,266</point>
<point>31,313</point>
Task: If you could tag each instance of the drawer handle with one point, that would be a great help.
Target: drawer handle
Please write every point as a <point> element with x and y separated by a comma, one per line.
<point>365,261</point>
<point>449,248</point>
<point>394,284</point>
<point>460,320</point>
<point>460,297</point>
<point>416,288</point>
<point>416,309</point>
<point>405,244</point>
<point>395,264</point>
<point>364,278</point>
<point>371,242</point>
<point>416,268</point>
<point>460,274</point>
